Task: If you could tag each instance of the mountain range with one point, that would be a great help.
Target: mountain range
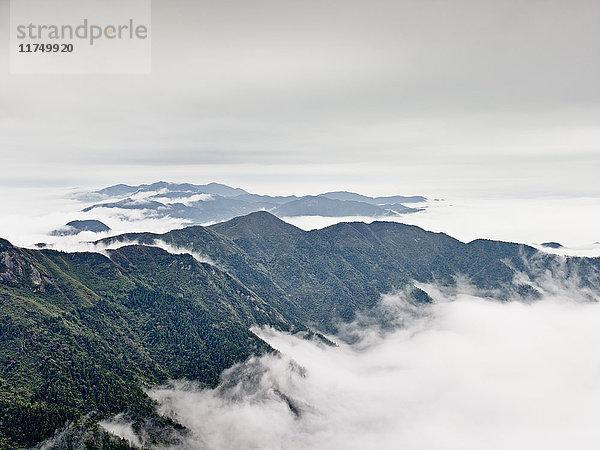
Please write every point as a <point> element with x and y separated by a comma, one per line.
<point>83,334</point>
<point>200,204</point>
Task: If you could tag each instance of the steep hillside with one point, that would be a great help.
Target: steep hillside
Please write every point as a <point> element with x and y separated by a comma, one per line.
<point>82,332</point>
<point>323,275</point>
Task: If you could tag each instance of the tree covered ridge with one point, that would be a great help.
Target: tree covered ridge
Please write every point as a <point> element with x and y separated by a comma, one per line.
<point>321,276</point>
<point>85,333</point>
<point>94,331</point>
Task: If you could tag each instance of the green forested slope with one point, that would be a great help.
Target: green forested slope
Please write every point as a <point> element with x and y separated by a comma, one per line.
<point>84,332</point>
<point>320,276</point>
<point>81,332</point>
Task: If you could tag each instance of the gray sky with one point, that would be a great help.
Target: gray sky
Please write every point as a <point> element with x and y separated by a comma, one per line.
<point>493,98</point>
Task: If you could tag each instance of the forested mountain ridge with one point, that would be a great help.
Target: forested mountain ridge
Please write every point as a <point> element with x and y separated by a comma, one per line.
<point>320,276</point>
<point>82,332</point>
<point>85,332</point>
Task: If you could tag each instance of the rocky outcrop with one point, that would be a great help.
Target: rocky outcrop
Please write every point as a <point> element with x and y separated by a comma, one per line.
<point>15,269</point>
<point>12,265</point>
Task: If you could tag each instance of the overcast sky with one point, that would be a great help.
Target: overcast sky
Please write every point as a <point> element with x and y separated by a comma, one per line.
<point>493,98</point>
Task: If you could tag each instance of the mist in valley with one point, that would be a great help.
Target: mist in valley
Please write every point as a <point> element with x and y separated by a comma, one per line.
<point>465,372</point>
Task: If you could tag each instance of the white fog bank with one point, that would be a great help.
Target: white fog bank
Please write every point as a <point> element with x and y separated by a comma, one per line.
<point>572,222</point>
<point>31,214</point>
<point>464,373</point>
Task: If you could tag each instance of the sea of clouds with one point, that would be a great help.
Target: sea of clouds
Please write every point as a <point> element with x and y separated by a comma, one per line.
<point>31,214</point>
<point>466,372</point>
<point>570,221</point>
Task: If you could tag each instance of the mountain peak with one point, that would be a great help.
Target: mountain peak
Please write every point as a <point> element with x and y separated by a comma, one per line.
<point>5,245</point>
<point>256,224</point>
<point>77,226</point>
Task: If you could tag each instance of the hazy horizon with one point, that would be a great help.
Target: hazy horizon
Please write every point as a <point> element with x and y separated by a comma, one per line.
<point>440,99</point>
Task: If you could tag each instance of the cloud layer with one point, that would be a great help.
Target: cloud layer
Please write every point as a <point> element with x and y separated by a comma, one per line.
<point>29,215</point>
<point>465,373</point>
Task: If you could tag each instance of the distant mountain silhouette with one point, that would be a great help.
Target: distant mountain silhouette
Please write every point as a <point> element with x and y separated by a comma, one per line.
<point>78,226</point>
<point>213,202</point>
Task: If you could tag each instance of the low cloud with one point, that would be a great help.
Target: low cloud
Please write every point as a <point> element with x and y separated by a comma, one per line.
<point>466,372</point>
<point>103,248</point>
<point>30,216</point>
<point>122,427</point>
<point>182,251</point>
<point>187,201</point>
<point>569,221</point>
